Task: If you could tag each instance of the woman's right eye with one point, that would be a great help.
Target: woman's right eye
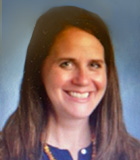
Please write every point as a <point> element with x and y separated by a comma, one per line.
<point>66,65</point>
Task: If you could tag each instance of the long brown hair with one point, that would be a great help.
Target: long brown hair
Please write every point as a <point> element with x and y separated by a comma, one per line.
<point>22,132</point>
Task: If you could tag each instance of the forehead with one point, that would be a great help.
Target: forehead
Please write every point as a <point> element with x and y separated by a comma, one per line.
<point>75,41</point>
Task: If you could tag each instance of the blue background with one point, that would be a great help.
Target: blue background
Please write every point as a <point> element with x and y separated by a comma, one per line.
<point>123,20</point>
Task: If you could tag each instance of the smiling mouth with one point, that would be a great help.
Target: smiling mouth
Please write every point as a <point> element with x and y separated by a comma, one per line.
<point>79,95</point>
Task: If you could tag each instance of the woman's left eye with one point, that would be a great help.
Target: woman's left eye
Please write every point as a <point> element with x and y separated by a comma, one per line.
<point>95,65</point>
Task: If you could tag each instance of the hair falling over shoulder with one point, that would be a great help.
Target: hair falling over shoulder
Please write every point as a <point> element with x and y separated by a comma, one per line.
<point>21,138</point>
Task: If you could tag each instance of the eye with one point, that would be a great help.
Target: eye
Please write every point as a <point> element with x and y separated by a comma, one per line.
<point>95,65</point>
<point>66,65</point>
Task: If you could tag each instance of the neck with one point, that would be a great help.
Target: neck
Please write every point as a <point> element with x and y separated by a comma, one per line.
<point>68,134</point>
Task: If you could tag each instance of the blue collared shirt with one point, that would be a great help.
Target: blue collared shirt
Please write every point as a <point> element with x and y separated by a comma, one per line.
<point>62,154</point>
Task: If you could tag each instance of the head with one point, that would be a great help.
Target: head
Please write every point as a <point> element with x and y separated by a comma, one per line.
<point>48,27</point>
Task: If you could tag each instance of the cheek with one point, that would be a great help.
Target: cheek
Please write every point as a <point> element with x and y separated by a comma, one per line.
<point>104,80</point>
<point>55,79</point>
<point>101,81</point>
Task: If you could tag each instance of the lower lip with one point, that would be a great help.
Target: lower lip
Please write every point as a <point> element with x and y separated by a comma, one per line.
<point>78,100</point>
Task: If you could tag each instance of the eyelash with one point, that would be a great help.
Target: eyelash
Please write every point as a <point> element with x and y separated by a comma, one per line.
<point>95,65</point>
<point>66,64</point>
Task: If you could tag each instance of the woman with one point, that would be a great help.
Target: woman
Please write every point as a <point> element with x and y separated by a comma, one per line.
<point>70,106</point>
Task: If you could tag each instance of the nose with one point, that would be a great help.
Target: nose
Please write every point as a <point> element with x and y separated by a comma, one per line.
<point>81,77</point>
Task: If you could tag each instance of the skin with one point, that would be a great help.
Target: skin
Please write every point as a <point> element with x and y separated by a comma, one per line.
<point>75,64</point>
<point>74,76</point>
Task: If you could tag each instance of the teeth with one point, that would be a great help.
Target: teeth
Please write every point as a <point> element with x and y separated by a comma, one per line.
<point>79,95</point>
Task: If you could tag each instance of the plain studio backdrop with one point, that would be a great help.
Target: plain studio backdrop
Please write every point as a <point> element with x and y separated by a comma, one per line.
<point>123,20</point>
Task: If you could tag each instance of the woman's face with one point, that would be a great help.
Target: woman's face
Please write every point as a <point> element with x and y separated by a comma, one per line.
<point>74,73</point>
